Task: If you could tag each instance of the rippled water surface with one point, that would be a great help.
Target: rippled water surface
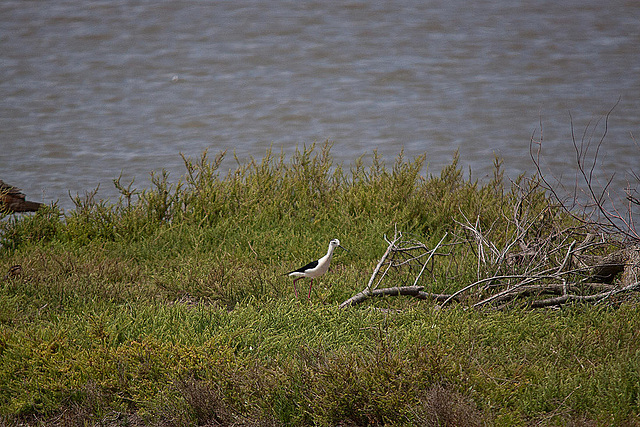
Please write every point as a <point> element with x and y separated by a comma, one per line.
<point>95,88</point>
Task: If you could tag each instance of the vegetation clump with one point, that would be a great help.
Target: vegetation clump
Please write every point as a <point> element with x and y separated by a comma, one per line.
<point>169,306</point>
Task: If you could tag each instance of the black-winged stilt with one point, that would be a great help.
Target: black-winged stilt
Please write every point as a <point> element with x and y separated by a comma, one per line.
<point>314,268</point>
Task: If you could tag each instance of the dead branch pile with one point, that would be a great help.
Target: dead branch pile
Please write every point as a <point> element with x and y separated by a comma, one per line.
<point>534,260</point>
<point>578,245</point>
<point>551,272</point>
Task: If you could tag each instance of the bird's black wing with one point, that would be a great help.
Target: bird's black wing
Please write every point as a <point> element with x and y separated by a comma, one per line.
<point>312,264</point>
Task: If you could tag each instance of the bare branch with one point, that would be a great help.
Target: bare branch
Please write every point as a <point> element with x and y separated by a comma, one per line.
<point>383,259</point>
<point>584,298</point>
<point>429,258</point>
<point>414,291</point>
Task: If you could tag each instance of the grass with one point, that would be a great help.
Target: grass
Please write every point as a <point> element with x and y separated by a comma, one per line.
<point>169,307</point>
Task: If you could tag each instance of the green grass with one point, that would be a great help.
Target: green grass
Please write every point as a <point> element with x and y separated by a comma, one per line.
<point>169,307</point>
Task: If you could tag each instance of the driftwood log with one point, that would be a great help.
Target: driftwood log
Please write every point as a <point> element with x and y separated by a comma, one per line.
<point>13,200</point>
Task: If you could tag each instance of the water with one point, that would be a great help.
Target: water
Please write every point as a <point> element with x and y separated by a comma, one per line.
<point>94,89</point>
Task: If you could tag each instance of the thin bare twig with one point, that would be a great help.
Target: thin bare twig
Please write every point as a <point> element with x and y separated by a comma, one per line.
<point>433,251</point>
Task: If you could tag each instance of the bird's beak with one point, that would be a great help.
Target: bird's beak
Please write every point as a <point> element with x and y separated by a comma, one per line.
<point>340,246</point>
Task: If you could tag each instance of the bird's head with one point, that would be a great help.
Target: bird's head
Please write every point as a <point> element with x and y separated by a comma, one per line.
<point>335,243</point>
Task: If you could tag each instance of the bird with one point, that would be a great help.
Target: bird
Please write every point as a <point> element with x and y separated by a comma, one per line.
<point>14,271</point>
<point>13,200</point>
<point>315,268</point>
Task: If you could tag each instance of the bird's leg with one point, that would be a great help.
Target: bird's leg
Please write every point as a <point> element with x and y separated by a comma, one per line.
<point>309,296</point>
<point>294,286</point>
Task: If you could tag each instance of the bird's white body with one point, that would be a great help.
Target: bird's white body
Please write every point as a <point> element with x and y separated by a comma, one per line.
<point>315,268</point>
<point>319,267</point>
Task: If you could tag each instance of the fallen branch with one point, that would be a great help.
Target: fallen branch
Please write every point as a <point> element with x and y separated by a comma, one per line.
<point>413,291</point>
<point>584,298</point>
<point>552,288</point>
